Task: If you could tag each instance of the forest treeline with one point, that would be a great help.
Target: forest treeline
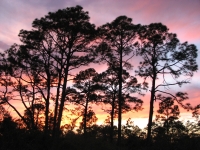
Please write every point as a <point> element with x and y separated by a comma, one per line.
<point>51,70</point>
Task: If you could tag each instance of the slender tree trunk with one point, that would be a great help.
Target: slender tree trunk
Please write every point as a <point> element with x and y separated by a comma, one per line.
<point>151,112</point>
<point>47,115</point>
<point>47,104</point>
<point>112,119</point>
<point>152,100</point>
<point>86,109</point>
<point>56,105</point>
<point>85,117</point>
<point>32,115</point>
<point>120,100</point>
<point>55,118</point>
<point>62,101</point>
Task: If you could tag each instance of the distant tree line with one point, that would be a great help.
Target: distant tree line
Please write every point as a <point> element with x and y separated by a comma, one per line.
<point>41,74</point>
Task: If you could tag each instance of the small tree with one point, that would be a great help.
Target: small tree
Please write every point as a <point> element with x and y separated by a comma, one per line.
<point>108,80</point>
<point>169,110</point>
<point>86,87</point>
<point>38,111</point>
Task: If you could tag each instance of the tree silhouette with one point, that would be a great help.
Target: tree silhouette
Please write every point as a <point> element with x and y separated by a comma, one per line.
<point>37,74</point>
<point>62,42</point>
<point>86,87</point>
<point>195,111</point>
<point>192,128</point>
<point>118,39</point>
<point>164,56</point>
<point>108,80</point>
<point>19,78</point>
<point>38,109</point>
<point>169,110</point>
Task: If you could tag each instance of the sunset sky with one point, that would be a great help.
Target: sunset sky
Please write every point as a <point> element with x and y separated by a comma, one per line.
<point>180,16</point>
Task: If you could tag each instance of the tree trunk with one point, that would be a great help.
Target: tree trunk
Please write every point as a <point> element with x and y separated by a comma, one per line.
<point>120,100</point>
<point>56,105</point>
<point>151,112</point>
<point>32,112</point>
<point>47,103</point>
<point>86,109</point>
<point>85,117</point>
<point>62,101</point>
<point>112,119</point>
<point>152,100</point>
